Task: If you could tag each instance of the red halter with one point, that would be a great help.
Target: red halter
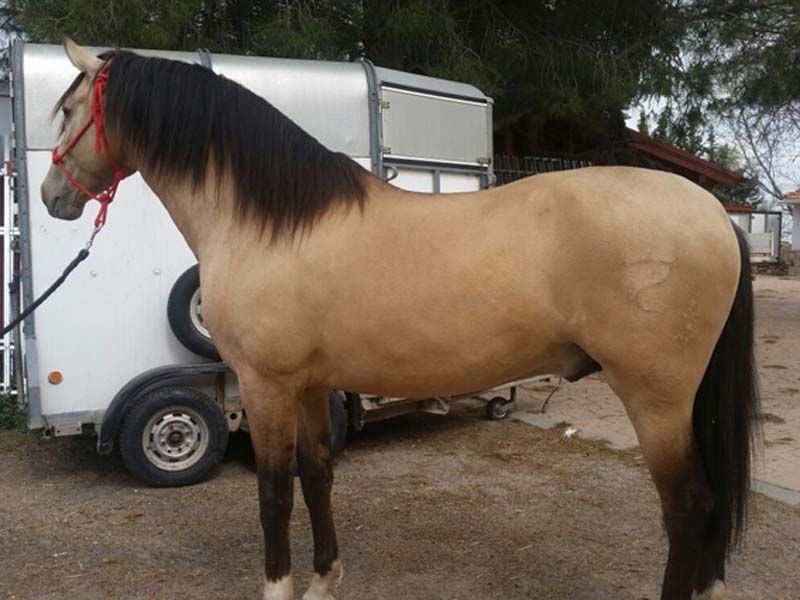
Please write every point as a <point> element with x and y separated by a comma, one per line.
<point>97,119</point>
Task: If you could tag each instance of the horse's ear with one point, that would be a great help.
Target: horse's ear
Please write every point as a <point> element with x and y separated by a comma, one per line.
<point>83,59</point>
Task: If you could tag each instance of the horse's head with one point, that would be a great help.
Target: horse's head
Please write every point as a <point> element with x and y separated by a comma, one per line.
<point>83,165</point>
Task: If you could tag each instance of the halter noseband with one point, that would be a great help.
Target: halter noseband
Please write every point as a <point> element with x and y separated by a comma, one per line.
<point>97,118</point>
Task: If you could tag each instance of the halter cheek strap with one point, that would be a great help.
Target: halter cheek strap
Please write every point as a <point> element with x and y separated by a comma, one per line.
<point>97,118</point>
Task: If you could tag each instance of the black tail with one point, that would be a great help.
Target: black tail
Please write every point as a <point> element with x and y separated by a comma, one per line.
<point>726,413</point>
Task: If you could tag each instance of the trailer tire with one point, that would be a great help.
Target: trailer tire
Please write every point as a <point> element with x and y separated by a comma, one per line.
<point>173,436</point>
<point>339,420</point>
<point>355,412</point>
<point>183,314</point>
<point>498,408</point>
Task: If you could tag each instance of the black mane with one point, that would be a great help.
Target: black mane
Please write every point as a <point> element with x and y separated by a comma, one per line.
<point>183,119</point>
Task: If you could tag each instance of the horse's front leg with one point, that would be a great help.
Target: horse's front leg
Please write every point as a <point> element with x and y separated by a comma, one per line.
<point>316,476</point>
<point>272,418</point>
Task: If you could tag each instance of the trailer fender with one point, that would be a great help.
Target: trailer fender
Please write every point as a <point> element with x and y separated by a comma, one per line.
<point>132,391</point>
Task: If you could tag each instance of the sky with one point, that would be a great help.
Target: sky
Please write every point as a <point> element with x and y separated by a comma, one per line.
<point>788,167</point>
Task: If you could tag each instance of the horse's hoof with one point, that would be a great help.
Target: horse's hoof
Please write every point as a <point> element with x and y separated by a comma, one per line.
<point>279,590</point>
<point>312,594</point>
<point>715,592</point>
<point>322,586</point>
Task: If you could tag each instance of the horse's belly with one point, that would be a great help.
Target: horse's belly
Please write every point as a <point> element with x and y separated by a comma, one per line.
<point>450,376</point>
<point>438,387</point>
<point>460,353</point>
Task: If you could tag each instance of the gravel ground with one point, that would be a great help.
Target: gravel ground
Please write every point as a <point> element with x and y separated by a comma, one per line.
<point>427,507</point>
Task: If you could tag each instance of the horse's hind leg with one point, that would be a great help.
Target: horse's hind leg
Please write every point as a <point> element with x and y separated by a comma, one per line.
<point>661,413</point>
<point>316,475</point>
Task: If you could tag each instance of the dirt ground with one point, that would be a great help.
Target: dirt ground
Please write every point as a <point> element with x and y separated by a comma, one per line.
<point>427,507</point>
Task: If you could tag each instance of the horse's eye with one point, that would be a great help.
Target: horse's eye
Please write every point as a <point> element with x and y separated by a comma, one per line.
<point>67,112</point>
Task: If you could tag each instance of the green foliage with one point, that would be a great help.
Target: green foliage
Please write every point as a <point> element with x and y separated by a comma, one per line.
<point>685,130</point>
<point>564,71</point>
<point>746,193</point>
<point>692,132</point>
<point>739,71</point>
<point>749,50</point>
<point>11,417</point>
<point>100,22</point>
<point>538,55</point>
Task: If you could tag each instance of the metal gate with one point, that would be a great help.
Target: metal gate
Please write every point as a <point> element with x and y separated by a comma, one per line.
<point>508,168</point>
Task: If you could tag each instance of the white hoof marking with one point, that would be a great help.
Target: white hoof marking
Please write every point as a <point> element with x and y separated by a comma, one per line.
<point>322,586</point>
<point>715,592</point>
<point>279,590</point>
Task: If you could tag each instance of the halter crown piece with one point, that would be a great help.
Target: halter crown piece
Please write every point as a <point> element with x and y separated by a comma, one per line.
<point>97,118</point>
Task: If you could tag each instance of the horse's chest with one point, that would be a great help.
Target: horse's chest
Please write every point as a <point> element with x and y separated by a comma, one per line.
<point>252,314</point>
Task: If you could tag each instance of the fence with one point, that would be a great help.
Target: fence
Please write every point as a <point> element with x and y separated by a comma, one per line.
<point>508,168</point>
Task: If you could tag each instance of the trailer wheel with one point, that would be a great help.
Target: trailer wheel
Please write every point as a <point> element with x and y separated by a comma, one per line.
<point>355,411</point>
<point>185,316</point>
<point>173,436</point>
<point>498,408</point>
<point>338,421</point>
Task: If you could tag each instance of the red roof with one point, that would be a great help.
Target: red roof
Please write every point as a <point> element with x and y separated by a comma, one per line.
<point>793,196</point>
<point>681,158</point>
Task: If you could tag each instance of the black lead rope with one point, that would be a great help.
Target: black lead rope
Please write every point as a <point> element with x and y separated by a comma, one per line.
<point>14,285</point>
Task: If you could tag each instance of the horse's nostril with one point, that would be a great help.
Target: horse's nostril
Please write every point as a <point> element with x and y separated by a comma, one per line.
<point>51,202</point>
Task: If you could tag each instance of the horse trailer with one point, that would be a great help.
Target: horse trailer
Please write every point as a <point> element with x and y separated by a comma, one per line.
<point>126,328</point>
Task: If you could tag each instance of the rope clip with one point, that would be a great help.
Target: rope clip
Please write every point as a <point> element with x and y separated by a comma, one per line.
<point>95,231</point>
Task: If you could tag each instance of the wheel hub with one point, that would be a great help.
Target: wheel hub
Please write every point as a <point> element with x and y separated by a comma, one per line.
<point>175,439</point>
<point>196,314</point>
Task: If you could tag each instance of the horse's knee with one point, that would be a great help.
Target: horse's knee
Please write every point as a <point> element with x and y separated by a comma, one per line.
<point>316,471</point>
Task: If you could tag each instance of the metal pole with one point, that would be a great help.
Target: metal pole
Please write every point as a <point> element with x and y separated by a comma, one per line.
<point>30,373</point>
<point>375,134</point>
<point>8,226</point>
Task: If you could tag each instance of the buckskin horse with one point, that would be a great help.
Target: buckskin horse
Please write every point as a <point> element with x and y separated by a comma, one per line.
<point>564,273</point>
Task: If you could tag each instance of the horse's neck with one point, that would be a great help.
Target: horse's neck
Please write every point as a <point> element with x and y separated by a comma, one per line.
<point>198,214</point>
<point>204,217</point>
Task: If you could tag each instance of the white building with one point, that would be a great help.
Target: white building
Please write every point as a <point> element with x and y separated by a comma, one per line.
<point>792,200</point>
